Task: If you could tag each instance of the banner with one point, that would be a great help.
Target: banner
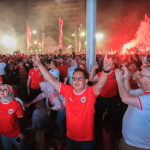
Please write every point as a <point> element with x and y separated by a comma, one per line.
<point>43,38</point>
<point>28,38</point>
<point>60,33</point>
<point>147,19</point>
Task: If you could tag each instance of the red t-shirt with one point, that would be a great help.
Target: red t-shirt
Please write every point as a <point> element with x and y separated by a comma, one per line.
<point>9,114</point>
<point>110,88</point>
<point>63,72</point>
<point>1,80</point>
<point>79,112</point>
<point>24,56</point>
<point>36,77</point>
<point>133,85</point>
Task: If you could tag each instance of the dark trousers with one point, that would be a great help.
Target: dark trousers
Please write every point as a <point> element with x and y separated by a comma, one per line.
<point>100,107</point>
<point>23,90</point>
<point>79,145</point>
<point>61,115</point>
<point>34,93</point>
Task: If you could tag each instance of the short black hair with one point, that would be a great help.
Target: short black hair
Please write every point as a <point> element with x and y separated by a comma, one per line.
<point>19,60</point>
<point>86,76</point>
<point>55,63</point>
<point>48,61</point>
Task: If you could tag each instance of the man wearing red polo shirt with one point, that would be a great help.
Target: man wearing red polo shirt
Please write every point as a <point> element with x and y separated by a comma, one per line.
<point>79,104</point>
<point>34,77</point>
<point>63,69</point>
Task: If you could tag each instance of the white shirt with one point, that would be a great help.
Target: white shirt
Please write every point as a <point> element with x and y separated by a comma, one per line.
<point>2,67</point>
<point>55,73</point>
<point>136,123</point>
<point>136,92</point>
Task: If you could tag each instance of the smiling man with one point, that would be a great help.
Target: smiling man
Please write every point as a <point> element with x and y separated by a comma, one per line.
<point>79,104</point>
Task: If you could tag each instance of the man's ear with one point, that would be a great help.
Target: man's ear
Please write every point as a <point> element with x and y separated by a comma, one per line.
<point>86,80</point>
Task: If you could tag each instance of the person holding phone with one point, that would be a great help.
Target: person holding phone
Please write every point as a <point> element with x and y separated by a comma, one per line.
<point>11,120</point>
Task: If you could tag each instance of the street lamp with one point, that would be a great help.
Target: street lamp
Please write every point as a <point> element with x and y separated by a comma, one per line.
<point>98,37</point>
<point>34,31</point>
<point>82,34</point>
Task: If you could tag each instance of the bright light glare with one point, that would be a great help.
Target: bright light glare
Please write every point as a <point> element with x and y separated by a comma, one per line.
<point>35,42</point>
<point>127,46</point>
<point>82,34</point>
<point>34,31</point>
<point>73,34</point>
<point>8,42</point>
<point>99,36</point>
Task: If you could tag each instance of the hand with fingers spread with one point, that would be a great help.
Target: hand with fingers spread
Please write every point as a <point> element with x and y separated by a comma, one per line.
<point>119,76</point>
<point>107,63</point>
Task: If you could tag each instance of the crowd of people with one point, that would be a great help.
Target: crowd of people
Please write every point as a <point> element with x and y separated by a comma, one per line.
<point>117,84</point>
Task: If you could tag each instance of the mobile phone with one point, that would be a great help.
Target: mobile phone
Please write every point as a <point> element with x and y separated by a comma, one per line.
<point>137,49</point>
<point>18,139</point>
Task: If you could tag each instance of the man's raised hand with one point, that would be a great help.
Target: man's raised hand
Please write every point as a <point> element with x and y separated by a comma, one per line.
<point>107,63</point>
<point>118,75</point>
<point>36,59</point>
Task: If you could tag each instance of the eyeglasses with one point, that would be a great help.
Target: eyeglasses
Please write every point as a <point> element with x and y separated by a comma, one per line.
<point>3,90</point>
<point>141,75</point>
<point>77,78</point>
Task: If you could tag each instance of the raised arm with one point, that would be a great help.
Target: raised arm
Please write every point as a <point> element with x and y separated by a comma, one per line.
<point>125,97</point>
<point>107,65</point>
<point>92,76</point>
<point>126,78</point>
<point>48,76</point>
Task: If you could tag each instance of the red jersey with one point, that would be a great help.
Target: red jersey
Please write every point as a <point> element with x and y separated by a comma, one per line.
<point>1,80</point>
<point>24,56</point>
<point>110,88</point>
<point>9,114</point>
<point>132,83</point>
<point>36,77</point>
<point>79,112</point>
<point>63,72</point>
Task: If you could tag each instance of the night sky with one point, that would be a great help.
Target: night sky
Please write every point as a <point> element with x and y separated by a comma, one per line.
<point>112,16</point>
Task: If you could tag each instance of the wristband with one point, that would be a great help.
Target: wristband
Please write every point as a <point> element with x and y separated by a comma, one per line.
<point>106,71</point>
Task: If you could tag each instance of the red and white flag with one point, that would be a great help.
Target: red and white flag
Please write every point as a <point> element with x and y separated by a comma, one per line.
<point>147,19</point>
<point>60,32</point>
<point>28,38</point>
